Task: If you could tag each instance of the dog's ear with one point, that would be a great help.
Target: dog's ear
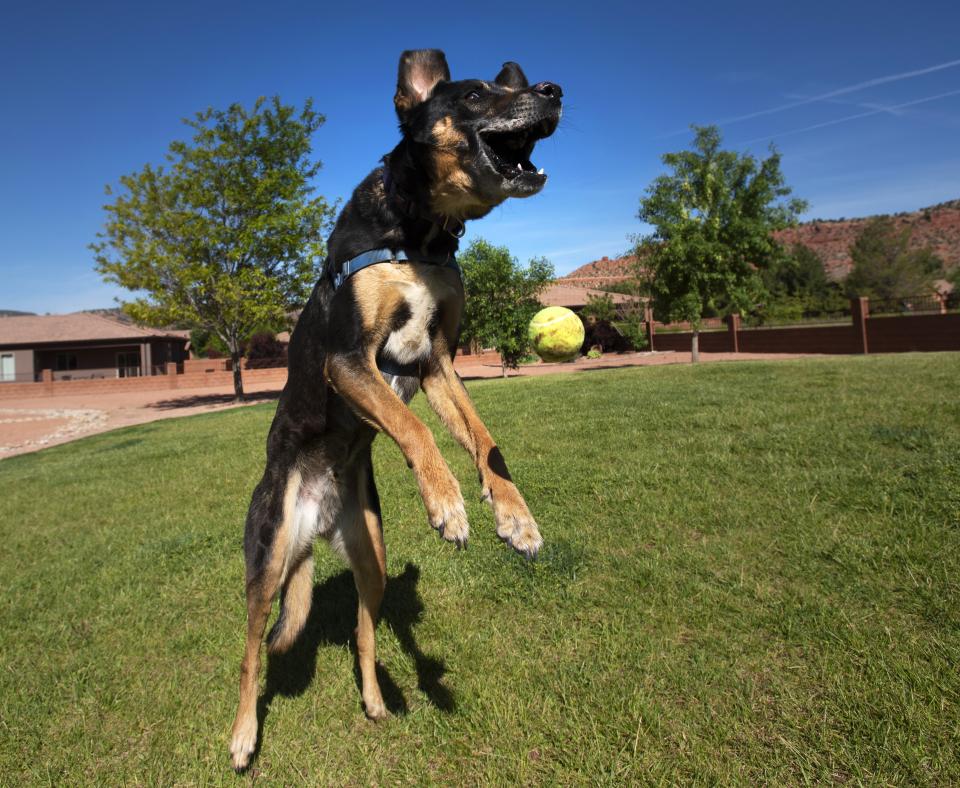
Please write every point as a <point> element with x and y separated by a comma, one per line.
<point>420,71</point>
<point>512,76</point>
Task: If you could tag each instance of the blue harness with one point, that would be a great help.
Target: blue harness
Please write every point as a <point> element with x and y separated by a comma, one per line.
<point>374,256</point>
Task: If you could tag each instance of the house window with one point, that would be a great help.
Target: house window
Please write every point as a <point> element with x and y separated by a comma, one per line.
<point>66,361</point>
<point>128,365</point>
<point>8,369</point>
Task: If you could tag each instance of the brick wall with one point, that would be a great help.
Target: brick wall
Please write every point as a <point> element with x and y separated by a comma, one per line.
<point>49,387</point>
<point>899,334</point>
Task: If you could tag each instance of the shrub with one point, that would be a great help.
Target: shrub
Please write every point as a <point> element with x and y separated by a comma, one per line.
<point>603,334</point>
<point>265,350</point>
<point>599,307</point>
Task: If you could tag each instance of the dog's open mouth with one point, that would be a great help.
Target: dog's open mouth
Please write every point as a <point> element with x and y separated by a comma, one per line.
<point>509,151</point>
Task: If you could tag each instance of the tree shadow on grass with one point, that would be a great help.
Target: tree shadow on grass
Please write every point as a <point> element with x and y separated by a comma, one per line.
<point>212,400</point>
<point>333,617</point>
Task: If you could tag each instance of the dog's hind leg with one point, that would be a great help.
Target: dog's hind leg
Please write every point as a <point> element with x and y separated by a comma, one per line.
<point>364,548</point>
<point>296,596</point>
<point>267,543</point>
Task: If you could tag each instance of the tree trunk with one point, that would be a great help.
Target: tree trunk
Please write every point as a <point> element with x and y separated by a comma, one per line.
<point>237,377</point>
<point>503,366</point>
<point>695,347</point>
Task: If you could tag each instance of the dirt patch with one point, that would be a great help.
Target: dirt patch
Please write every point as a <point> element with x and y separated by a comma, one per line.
<point>28,429</point>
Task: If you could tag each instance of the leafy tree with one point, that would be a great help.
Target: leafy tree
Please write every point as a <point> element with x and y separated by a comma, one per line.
<point>797,286</point>
<point>713,216</point>
<point>206,344</point>
<point>885,267</point>
<point>501,298</point>
<point>599,307</point>
<point>227,237</point>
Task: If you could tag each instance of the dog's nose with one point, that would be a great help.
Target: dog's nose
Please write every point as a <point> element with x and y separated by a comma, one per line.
<point>548,90</point>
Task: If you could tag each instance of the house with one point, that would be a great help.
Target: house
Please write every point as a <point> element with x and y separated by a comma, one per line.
<point>575,297</point>
<point>83,345</point>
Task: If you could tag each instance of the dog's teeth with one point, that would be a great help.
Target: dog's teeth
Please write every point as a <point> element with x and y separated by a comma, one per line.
<point>540,171</point>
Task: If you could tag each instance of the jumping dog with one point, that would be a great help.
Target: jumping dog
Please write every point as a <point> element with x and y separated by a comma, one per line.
<point>382,322</point>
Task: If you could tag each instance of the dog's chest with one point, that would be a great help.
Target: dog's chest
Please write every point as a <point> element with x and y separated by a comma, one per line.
<point>409,340</point>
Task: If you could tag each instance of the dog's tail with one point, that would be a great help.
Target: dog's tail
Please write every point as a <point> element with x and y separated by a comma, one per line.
<point>295,600</point>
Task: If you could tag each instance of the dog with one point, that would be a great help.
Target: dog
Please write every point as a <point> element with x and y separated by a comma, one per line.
<point>381,323</point>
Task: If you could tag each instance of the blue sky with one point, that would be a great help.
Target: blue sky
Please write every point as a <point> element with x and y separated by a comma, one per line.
<point>863,100</point>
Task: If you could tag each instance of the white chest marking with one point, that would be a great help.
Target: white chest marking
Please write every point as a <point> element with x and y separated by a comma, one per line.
<point>411,342</point>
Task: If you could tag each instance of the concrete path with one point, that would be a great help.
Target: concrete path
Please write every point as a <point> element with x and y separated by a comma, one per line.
<point>31,424</point>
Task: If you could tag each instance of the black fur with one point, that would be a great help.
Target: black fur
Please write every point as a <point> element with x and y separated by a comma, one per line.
<point>309,411</point>
<point>465,148</point>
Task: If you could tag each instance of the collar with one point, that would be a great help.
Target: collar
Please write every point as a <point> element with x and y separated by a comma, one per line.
<point>448,224</point>
<point>374,256</point>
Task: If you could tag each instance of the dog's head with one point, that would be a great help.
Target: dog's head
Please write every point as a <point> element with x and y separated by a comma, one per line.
<point>474,137</point>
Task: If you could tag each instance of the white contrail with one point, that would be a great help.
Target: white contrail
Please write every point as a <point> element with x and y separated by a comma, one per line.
<point>833,93</point>
<point>880,111</point>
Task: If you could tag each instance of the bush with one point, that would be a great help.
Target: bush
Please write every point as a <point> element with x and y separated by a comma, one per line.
<point>599,307</point>
<point>265,350</point>
<point>603,334</point>
<point>634,332</point>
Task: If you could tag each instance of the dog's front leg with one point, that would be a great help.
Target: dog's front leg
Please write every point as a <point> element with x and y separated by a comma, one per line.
<point>453,405</point>
<point>355,377</point>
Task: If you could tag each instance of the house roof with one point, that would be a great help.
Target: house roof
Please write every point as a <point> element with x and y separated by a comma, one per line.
<point>562,294</point>
<point>75,327</point>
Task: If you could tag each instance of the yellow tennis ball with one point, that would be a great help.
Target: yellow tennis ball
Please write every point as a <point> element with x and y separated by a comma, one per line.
<point>556,333</point>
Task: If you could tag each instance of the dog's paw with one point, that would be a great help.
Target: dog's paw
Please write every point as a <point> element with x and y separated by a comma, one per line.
<point>516,527</point>
<point>375,709</point>
<point>447,513</point>
<point>450,520</point>
<point>243,743</point>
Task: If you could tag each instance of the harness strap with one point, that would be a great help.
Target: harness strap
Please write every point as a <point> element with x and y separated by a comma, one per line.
<point>374,256</point>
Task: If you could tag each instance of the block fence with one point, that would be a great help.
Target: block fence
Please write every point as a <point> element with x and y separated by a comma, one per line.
<point>863,334</point>
<point>48,387</point>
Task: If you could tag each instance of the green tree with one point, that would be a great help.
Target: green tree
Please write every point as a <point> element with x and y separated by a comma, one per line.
<point>599,307</point>
<point>713,216</point>
<point>797,286</point>
<point>501,298</point>
<point>885,267</point>
<point>227,236</point>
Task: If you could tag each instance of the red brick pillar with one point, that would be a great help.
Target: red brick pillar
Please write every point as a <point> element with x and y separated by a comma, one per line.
<point>860,308</point>
<point>648,320</point>
<point>172,374</point>
<point>46,376</point>
<point>733,326</point>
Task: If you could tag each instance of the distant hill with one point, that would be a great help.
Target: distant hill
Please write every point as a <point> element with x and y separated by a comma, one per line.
<point>937,226</point>
<point>601,272</point>
<point>14,313</point>
<point>112,313</point>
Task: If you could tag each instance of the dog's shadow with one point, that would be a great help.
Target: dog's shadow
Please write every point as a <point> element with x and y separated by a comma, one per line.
<point>333,617</point>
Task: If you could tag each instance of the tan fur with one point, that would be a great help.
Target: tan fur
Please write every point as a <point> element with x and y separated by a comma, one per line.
<point>446,135</point>
<point>297,598</point>
<point>450,401</point>
<point>452,192</point>
<point>368,560</point>
<point>260,598</point>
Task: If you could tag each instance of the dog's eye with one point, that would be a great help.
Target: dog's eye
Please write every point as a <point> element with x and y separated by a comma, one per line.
<point>473,95</point>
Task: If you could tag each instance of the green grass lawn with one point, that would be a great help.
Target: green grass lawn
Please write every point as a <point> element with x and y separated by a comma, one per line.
<point>751,574</point>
